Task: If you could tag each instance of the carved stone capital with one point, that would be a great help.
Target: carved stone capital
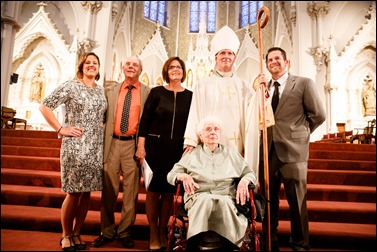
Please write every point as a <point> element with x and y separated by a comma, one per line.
<point>328,88</point>
<point>318,9</point>
<point>92,6</point>
<point>86,45</point>
<point>10,21</point>
<point>320,55</point>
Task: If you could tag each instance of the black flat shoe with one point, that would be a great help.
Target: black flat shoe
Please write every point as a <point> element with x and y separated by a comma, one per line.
<point>81,245</point>
<point>70,248</point>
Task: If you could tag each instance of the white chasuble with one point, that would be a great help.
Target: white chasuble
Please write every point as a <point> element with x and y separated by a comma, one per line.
<point>236,105</point>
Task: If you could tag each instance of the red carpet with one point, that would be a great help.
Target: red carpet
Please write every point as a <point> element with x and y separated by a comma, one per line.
<point>341,196</point>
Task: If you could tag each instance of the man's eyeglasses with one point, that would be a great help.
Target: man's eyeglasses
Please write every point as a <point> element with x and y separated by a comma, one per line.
<point>175,67</point>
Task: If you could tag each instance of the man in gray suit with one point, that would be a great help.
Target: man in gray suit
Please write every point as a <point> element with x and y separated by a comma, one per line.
<point>119,151</point>
<point>298,111</point>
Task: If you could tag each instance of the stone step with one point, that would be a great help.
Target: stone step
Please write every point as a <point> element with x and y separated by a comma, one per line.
<point>322,234</point>
<point>34,163</point>
<point>24,150</point>
<point>26,240</point>
<point>53,197</point>
<point>342,147</point>
<point>332,164</point>
<point>34,138</point>
<point>30,151</point>
<point>31,142</point>
<point>342,177</point>
<point>346,193</point>
<point>319,211</point>
<point>27,177</point>
<point>29,133</point>
<point>340,190</point>
<point>53,163</point>
<point>342,155</point>
<point>52,135</point>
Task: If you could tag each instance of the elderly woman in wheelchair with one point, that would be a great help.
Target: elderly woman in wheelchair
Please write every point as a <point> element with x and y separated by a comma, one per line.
<point>209,175</point>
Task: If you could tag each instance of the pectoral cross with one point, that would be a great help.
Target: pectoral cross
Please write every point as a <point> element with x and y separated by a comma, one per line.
<point>229,92</point>
<point>235,139</point>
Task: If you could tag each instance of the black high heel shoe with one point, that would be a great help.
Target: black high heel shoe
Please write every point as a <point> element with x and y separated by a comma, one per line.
<point>79,246</point>
<point>72,245</point>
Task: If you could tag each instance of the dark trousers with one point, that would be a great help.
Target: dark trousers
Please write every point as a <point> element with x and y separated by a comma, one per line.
<point>294,178</point>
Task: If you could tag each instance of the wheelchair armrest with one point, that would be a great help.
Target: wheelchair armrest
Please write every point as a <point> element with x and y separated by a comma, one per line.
<point>251,186</point>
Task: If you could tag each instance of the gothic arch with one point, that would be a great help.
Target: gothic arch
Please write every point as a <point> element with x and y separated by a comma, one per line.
<point>154,56</point>
<point>145,79</point>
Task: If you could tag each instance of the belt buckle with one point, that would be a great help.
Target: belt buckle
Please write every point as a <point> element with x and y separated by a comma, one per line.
<point>124,138</point>
<point>117,137</point>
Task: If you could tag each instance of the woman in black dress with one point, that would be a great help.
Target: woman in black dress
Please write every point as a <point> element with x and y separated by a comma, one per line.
<point>161,131</point>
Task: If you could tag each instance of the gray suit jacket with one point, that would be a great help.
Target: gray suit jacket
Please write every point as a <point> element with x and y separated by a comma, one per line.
<point>297,115</point>
<point>112,97</point>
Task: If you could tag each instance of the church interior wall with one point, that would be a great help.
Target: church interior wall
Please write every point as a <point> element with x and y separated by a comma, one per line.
<point>169,33</point>
<point>153,63</point>
<point>343,22</point>
<point>99,34</point>
<point>335,46</point>
<point>144,30</point>
<point>184,36</point>
<point>116,66</point>
<point>121,45</point>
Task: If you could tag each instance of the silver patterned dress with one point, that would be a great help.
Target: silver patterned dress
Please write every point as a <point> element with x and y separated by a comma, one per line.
<point>81,158</point>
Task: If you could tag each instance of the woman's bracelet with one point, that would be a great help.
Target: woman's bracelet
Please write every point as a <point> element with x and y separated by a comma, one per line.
<point>60,129</point>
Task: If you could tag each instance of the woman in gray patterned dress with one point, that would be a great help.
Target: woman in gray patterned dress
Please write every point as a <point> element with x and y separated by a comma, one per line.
<point>81,155</point>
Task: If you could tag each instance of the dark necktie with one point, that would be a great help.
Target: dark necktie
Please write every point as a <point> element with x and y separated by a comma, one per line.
<point>126,110</point>
<point>275,96</point>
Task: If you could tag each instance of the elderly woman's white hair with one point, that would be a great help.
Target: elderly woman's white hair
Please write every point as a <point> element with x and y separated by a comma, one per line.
<point>209,119</point>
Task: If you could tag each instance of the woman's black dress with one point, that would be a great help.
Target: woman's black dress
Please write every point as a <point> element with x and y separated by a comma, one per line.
<point>163,124</point>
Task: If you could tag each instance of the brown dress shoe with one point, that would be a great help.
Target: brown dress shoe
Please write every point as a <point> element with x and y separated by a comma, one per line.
<point>127,242</point>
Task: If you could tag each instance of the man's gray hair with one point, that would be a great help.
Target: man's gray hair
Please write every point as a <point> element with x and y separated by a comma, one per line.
<point>207,120</point>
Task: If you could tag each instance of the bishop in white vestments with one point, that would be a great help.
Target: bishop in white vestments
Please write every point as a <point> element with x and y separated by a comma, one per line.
<point>228,97</point>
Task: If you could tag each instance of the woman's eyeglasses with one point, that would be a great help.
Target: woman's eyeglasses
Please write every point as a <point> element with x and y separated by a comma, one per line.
<point>175,67</point>
<point>210,129</point>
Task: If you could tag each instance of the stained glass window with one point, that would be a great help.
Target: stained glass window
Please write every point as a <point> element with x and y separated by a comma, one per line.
<point>203,11</point>
<point>249,12</point>
<point>155,11</point>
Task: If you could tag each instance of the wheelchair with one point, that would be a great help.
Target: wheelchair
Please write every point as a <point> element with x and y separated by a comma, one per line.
<point>178,225</point>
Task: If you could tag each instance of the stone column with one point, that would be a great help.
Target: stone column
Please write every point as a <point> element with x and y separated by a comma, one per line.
<point>87,44</point>
<point>9,28</point>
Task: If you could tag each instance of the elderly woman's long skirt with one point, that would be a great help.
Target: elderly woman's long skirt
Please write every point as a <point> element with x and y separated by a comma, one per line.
<point>217,213</point>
